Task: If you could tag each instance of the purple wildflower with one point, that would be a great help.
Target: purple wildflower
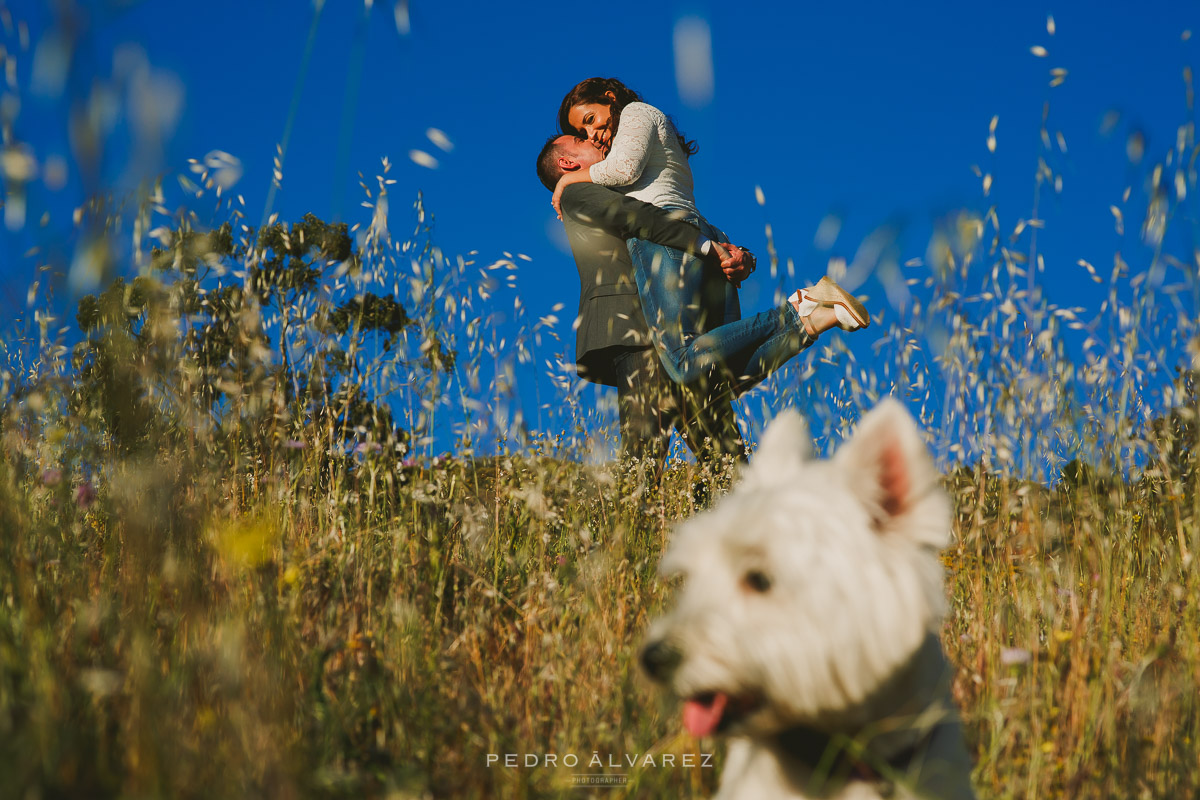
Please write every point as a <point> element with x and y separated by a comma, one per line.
<point>85,495</point>
<point>1011,656</point>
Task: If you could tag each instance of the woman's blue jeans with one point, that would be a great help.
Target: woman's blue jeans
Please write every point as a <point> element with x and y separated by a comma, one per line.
<point>684,310</point>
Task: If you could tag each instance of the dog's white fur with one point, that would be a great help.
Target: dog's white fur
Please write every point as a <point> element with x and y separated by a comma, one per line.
<point>812,597</point>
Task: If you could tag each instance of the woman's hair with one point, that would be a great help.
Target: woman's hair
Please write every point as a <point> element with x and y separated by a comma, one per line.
<point>593,90</point>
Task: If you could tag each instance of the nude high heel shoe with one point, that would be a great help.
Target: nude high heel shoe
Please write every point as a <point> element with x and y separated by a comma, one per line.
<point>851,314</point>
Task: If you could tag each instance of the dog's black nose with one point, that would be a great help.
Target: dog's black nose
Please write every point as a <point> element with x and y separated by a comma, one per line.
<point>660,659</point>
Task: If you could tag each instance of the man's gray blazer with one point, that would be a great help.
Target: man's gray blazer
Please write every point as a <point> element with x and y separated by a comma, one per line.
<point>598,221</point>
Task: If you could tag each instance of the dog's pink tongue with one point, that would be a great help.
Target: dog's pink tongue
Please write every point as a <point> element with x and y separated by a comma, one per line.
<point>701,718</point>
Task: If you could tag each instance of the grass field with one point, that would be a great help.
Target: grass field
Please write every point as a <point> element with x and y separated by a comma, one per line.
<point>230,601</point>
<point>278,517</point>
<point>193,635</point>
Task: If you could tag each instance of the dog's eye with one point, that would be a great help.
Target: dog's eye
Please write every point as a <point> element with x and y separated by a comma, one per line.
<point>756,580</point>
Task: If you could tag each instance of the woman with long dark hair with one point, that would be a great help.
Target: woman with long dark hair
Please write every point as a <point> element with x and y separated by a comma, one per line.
<point>647,158</point>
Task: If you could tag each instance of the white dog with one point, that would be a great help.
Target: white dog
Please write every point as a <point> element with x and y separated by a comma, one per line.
<point>806,628</point>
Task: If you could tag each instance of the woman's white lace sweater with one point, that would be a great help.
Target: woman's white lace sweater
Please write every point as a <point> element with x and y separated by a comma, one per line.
<point>646,161</point>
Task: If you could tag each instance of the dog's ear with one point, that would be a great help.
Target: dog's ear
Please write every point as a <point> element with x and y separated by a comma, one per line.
<point>886,462</point>
<point>784,446</point>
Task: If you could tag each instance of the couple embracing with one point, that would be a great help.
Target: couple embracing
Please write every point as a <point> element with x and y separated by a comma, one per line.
<point>659,316</point>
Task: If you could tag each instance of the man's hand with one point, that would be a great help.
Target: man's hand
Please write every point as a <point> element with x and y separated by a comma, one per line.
<point>736,262</point>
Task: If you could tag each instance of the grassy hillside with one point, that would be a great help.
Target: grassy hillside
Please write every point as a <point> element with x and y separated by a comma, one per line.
<point>229,610</point>
<point>292,514</point>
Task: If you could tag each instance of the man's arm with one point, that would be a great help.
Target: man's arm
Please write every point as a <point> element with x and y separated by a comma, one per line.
<point>628,218</point>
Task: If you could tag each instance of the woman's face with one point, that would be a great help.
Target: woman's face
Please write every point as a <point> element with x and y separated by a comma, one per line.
<point>593,119</point>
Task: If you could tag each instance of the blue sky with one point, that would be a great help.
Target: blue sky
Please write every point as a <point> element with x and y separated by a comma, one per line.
<point>873,111</point>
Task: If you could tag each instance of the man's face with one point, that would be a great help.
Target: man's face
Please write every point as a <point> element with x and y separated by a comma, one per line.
<point>577,153</point>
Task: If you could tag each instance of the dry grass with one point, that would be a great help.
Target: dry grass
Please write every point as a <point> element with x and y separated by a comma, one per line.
<point>181,637</point>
